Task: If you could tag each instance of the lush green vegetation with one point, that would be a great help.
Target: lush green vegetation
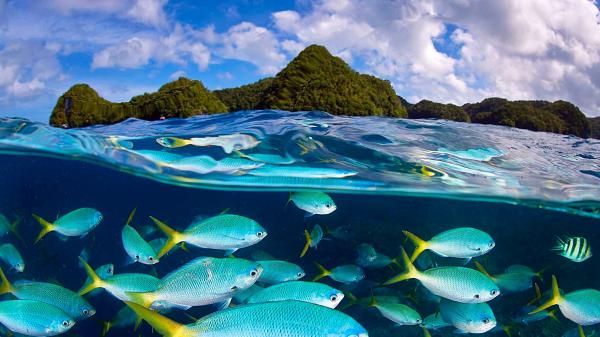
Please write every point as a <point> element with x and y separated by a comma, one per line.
<point>315,80</point>
<point>81,105</point>
<point>595,124</point>
<point>429,109</point>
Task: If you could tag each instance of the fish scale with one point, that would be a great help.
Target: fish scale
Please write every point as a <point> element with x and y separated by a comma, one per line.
<point>203,281</point>
<point>286,319</point>
<point>313,292</point>
<point>221,231</point>
<point>34,318</point>
<point>119,285</point>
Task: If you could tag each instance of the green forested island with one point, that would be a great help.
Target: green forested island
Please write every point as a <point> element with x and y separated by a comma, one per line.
<point>315,80</point>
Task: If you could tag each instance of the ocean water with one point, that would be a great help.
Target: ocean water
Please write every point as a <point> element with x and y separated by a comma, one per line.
<point>385,175</point>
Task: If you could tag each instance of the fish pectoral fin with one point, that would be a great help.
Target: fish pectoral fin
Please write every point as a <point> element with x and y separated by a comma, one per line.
<point>223,305</point>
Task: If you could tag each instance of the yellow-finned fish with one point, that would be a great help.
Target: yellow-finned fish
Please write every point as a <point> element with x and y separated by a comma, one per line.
<point>34,318</point>
<point>580,306</point>
<point>463,242</point>
<point>458,284</point>
<point>228,143</point>
<point>576,249</point>
<point>313,202</point>
<point>312,239</point>
<point>75,223</point>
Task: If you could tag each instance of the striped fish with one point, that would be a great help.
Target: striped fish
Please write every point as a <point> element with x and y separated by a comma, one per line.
<point>576,249</point>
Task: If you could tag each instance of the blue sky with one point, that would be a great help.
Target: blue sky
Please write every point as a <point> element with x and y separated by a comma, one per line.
<point>459,52</point>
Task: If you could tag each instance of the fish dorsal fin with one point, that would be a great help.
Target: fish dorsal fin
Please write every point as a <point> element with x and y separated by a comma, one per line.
<point>131,215</point>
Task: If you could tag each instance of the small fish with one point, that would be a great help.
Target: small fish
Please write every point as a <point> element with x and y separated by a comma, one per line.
<point>435,322</point>
<point>119,285</point>
<point>380,261</point>
<point>464,242</point>
<point>277,271</point>
<point>64,299</point>
<point>509,282</point>
<point>580,306</point>
<point>576,249</point>
<point>76,223</point>
<point>227,232</point>
<point>9,227</point>
<point>301,172</point>
<point>341,233</point>
<point>125,317</point>
<point>313,202</point>
<point>34,318</point>
<point>312,239</point>
<point>281,319</point>
<point>267,158</point>
<point>228,143</point>
<point>11,256</point>
<point>468,317</point>
<point>458,284</point>
<point>344,274</point>
<point>135,246</point>
<point>202,281</point>
<point>523,317</point>
<point>312,292</point>
<point>366,252</point>
<point>397,312</point>
<point>103,272</point>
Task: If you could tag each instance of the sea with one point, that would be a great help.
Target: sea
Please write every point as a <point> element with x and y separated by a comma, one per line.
<point>386,175</point>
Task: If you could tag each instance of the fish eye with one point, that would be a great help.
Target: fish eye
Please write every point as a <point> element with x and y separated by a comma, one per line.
<point>86,312</point>
<point>328,205</point>
<point>477,295</point>
<point>234,288</point>
<point>150,258</point>
<point>137,257</point>
<point>486,321</point>
<point>493,292</point>
<point>419,321</point>
<point>491,244</point>
<point>254,272</point>
<point>259,234</point>
<point>65,323</point>
<point>300,274</point>
<point>333,298</point>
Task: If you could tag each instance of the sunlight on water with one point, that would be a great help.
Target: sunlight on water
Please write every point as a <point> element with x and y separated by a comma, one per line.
<point>314,150</point>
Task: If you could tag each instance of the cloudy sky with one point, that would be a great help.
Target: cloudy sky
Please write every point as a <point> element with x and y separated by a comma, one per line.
<point>445,50</point>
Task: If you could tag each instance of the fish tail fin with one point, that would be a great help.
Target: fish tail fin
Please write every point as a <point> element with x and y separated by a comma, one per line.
<point>5,286</point>
<point>420,245</point>
<point>308,242</point>
<point>482,269</point>
<point>507,329</point>
<point>131,215</point>
<point>96,281</point>
<point>410,272</point>
<point>352,300</point>
<point>552,314</point>
<point>580,331</point>
<point>538,294</point>
<point>14,228</point>
<point>160,323</point>
<point>556,298</point>
<point>323,272</point>
<point>173,237</point>
<point>540,274</point>
<point>560,244</point>
<point>105,328</point>
<point>426,332</point>
<point>143,299</point>
<point>47,227</point>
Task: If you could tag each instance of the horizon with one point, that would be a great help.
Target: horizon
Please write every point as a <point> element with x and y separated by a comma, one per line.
<point>427,51</point>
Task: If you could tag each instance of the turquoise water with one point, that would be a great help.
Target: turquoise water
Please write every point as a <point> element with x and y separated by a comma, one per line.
<point>385,175</point>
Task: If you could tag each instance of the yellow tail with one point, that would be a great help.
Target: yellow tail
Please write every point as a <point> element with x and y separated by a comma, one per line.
<point>5,286</point>
<point>482,270</point>
<point>308,242</point>
<point>173,237</point>
<point>410,272</point>
<point>426,332</point>
<point>105,328</point>
<point>580,331</point>
<point>47,227</point>
<point>352,300</point>
<point>96,281</point>
<point>538,294</point>
<point>323,272</point>
<point>161,324</point>
<point>131,215</point>
<point>556,298</point>
<point>420,245</point>
<point>14,226</point>
<point>142,299</point>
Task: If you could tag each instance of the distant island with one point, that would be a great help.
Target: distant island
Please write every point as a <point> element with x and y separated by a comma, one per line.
<point>315,80</point>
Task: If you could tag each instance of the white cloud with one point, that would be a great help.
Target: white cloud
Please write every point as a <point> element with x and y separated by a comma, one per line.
<point>537,49</point>
<point>149,12</point>
<point>176,47</point>
<point>253,44</point>
<point>177,74</point>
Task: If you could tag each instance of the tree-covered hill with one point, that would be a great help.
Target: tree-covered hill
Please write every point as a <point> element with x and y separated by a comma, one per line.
<point>315,80</point>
